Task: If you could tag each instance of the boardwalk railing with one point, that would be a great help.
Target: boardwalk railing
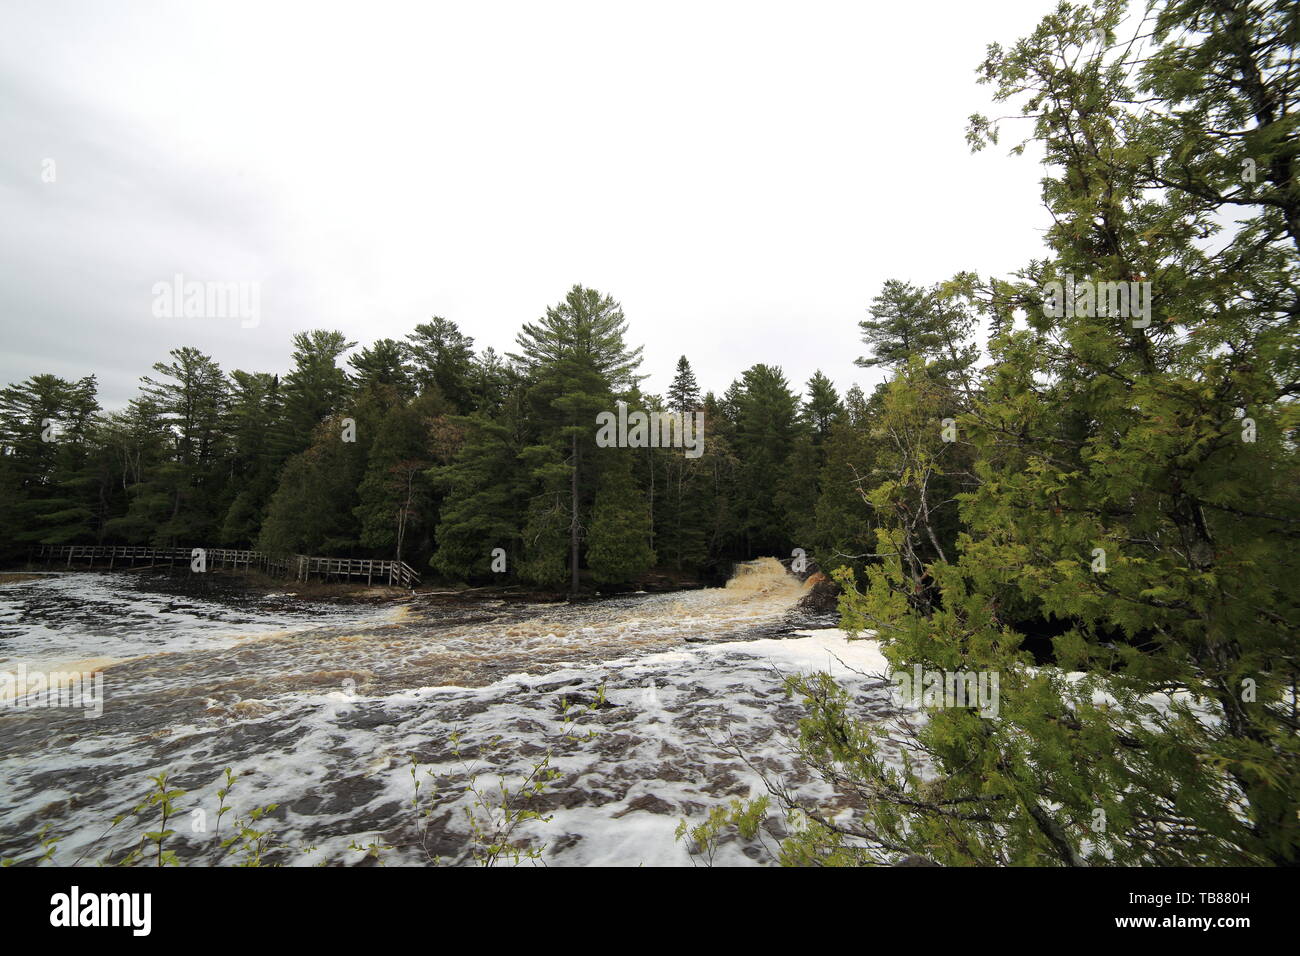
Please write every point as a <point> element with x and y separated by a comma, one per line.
<point>300,566</point>
<point>396,573</point>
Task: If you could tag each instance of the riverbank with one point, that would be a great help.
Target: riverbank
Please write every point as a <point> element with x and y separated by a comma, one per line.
<point>14,577</point>
<point>255,582</point>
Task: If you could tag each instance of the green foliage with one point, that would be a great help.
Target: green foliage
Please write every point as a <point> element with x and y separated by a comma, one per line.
<point>497,812</point>
<point>575,359</point>
<point>1126,478</point>
<point>704,838</point>
<point>382,370</point>
<point>766,426</point>
<point>910,324</point>
<point>546,540</point>
<point>253,459</point>
<point>443,361</point>
<point>684,392</point>
<point>618,546</point>
<point>396,502</point>
<point>50,465</point>
<point>823,409</point>
<point>313,511</point>
<point>481,508</point>
<point>316,387</point>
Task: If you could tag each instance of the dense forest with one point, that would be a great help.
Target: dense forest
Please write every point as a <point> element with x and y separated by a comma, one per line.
<point>1121,481</point>
<point>425,450</point>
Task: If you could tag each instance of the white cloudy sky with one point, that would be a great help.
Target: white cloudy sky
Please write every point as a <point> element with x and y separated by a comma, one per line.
<point>741,176</point>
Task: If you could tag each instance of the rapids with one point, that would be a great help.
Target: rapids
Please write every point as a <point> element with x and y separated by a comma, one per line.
<point>327,709</point>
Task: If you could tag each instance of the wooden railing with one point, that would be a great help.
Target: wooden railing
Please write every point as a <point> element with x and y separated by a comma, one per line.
<point>395,573</point>
<point>301,566</point>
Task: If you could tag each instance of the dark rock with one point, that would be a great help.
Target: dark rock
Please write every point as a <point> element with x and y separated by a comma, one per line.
<point>647,803</point>
<point>822,595</point>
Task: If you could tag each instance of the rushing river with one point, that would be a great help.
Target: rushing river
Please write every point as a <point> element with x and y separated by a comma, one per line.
<point>325,709</point>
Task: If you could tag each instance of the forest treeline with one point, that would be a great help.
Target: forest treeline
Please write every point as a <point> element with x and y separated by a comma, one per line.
<point>1125,482</point>
<point>428,450</point>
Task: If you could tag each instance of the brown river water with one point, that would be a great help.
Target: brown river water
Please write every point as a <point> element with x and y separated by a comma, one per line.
<point>326,709</point>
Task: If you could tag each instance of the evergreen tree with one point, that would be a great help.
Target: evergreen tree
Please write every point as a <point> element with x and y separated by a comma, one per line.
<point>797,492</point>
<point>1120,492</point>
<point>844,534</point>
<point>36,414</point>
<point>313,509</point>
<point>138,441</point>
<point>491,380</point>
<point>618,547</point>
<point>181,500</point>
<point>767,424</point>
<point>901,325</point>
<point>254,409</point>
<point>382,369</point>
<point>482,506</point>
<point>576,358</point>
<point>314,389</point>
<point>910,323</point>
<point>684,392</point>
<point>443,358</point>
<point>46,425</point>
<point>548,523</point>
<point>395,498</point>
<point>823,407</point>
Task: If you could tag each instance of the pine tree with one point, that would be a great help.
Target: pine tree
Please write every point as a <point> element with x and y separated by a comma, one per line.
<point>482,507</point>
<point>767,425</point>
<point>576,359</point>
<point>382,369</point>
<point>901,325</point>
<point>491,380</point>
<point>253,411</point>
<point>443,359</point>
<point>313,509</point>
<point>823,407</point>
<point>910,323</point>
<point>548,522</point>
<point>181,500</point>
<point>139,443</point>
<point>314,389</point>
<point>684,392</point>
<point>47,428</point>
<point>844,534</point>
<point>797,492</point>
<point>395,499</point>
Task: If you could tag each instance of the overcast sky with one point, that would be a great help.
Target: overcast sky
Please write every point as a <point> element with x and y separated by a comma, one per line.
<point>741,177</point>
